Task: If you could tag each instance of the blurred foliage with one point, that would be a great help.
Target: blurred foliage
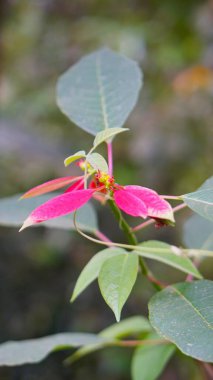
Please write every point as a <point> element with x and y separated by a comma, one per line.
<point>168,148</point>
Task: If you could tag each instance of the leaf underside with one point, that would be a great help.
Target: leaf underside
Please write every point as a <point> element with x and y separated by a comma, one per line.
<point>34,350</point>
<point>201,201</point>
<point>99,91</point>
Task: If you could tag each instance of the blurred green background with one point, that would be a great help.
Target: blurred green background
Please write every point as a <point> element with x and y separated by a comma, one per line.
<point>169,148</point>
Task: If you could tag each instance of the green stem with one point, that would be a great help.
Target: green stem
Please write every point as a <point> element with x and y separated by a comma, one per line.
<point>114,343</point>
<point>123,224</point>
<point>133,241</point>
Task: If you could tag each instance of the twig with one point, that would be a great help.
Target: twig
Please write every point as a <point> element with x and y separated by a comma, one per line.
<point>102,236</point>
<point>173,197</point>
<point>133,343</point>
<point>207,367</point>
<point>196,263</point>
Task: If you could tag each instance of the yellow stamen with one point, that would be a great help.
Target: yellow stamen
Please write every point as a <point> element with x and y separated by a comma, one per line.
<point>106,179</point>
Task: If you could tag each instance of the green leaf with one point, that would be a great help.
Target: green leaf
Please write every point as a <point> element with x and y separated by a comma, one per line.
<point>198,233</point>
<point>116,279</point>
<point>208,184</point>
<point>34,350</point>
<point>183,314</point>
<point>150,360</point>
<point>74,157</point>
<point>97,162</point>
<point>92,269</point>
<point>201,201</point>
<point>130,326</point>
<point>13,212</point>
<point>100,91</point>
<point>168,255</point>
<point>152,252</point>
<point>107,135</point>
<point>85,350</point>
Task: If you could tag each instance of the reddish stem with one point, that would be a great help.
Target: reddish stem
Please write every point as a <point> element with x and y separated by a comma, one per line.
<point>156,281</point>
<point>102,237</point>
<point>110,158</point>
<point>179,207</point>
<point>133,343</point>
<point>143,225</point>
<point>196,263</point>
<point>209,369</point>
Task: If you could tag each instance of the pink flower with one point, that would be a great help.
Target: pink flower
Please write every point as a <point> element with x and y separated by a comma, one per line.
<point>134,200</point>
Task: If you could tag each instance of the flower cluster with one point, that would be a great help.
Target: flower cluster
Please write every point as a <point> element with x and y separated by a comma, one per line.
<point>134,200</point>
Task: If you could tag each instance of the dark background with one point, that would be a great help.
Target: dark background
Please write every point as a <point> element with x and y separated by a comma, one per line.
<point>169,149</point>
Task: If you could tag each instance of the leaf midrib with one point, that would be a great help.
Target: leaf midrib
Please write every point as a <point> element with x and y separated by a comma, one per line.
<point>193,307</point>
<point>191,196</point>
<point>101,92</point>
<point>120,280</point>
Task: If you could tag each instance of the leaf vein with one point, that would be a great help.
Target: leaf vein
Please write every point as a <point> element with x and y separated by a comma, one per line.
<point>191,305</point>
<point>101,92</point>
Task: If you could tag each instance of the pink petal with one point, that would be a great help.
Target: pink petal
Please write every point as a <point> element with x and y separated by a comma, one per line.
<point>157,207</point>
<point>130,204</point>
<point>78,185</point>
<point>49,186</point>
<point>58,206</point>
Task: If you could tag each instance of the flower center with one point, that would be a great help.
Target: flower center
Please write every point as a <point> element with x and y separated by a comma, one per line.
<point>106,179</point>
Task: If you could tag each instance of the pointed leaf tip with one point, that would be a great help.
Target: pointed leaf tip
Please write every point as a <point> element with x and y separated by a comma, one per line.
<point>27,223</point>
<point>116,280</point>
<point>13,213</point>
